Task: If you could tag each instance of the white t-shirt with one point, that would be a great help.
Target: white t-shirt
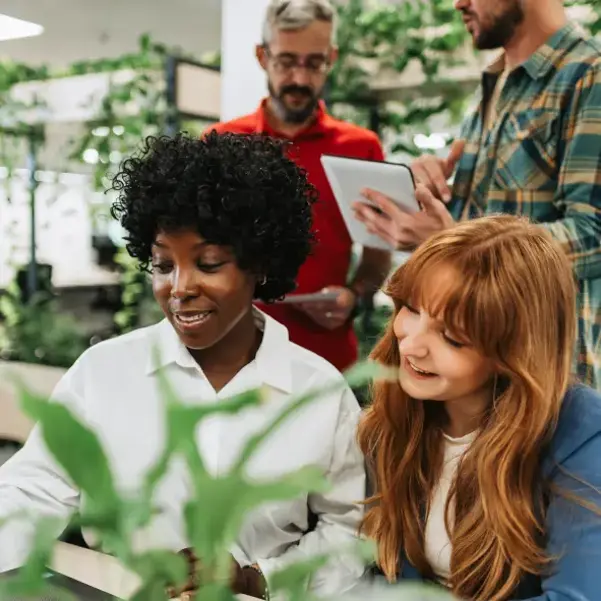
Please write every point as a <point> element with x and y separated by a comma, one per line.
<point>438,545</point>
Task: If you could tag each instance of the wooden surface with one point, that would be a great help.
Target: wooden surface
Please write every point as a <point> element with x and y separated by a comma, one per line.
<point>14,424</point>
<point>99,571</point>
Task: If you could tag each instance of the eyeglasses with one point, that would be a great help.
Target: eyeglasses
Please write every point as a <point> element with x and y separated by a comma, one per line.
<point>284,63</point>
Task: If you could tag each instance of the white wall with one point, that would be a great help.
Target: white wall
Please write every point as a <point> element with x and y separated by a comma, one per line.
<point>243,83</point>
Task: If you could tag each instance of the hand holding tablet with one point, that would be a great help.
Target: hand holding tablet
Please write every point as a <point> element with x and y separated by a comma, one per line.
<point>381,205</point>
<point>350,177</point>
<point>330,308</point>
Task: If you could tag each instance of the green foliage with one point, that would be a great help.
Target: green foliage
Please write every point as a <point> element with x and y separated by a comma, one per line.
<point>214,515</point>
<point>35,332</point>
<point>370,330</point>
<point>30,582</point>
<point>116,132</point>
<point>393,35</point>
<point>113,134</point>
<point>138,305</point>
<point>376,37</point>
<point>92,477</point>
<point>594,6</point>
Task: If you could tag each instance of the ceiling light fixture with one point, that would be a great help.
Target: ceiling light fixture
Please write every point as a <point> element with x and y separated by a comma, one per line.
<point>12,28</point>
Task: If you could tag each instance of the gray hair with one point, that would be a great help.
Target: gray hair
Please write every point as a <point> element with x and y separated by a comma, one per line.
<point>291,15</point>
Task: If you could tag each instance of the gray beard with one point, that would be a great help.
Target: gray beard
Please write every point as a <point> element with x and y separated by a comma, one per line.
<point>293,117</point>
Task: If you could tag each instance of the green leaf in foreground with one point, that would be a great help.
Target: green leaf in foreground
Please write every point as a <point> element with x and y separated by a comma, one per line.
<point>216,514</point>
<point>165,567</point>
<point>358,375</point>
<point>76,448</point>
<point>151,590</point>
<point>30,581</point>
<point>295,578</point>
<point>182,421</point>
<point>366,371</point>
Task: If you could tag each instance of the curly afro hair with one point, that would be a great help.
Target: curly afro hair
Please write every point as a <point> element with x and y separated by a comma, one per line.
<point>239,191</point>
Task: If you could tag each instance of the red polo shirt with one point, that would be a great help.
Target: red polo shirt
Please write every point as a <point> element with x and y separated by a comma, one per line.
<point>329,263</point>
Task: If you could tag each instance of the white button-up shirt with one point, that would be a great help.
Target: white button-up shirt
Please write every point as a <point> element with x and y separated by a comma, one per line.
<point>113,388</point>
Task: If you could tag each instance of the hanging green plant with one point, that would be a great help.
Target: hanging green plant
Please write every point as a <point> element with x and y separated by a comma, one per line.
<point>376,37</point>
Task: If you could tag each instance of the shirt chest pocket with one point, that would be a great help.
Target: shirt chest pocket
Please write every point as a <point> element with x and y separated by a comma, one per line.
<point>527,152</point>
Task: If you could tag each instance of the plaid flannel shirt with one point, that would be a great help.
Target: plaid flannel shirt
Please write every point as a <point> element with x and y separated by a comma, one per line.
<point>541,158</point>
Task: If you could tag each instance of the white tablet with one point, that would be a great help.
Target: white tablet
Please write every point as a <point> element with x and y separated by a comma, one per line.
<point>348,176</point>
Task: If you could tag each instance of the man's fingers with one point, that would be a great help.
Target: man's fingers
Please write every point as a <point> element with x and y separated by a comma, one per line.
<point>397,232</point>
<point>383,202</point>
<point>430,204</point>
<point>439,186</point>
<point>455,153</point>
<point>377,224</point>
<point>429,171</point>
<point>371,218</point>
<point>398,236</point>
<point>433,207</point>
<point>364,214</point>
<point>421,173</point>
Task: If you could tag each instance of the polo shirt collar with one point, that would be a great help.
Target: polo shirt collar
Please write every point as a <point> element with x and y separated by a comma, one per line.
<point>273,360</point>
<point>321,125</point>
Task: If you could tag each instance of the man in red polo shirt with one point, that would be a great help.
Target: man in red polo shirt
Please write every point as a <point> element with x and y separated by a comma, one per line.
<point>297,53</point>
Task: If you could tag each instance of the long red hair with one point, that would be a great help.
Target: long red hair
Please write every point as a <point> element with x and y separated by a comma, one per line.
<point>514,300</point>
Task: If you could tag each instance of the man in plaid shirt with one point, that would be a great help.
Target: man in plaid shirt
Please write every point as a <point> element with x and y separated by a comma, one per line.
<point>532,147</point>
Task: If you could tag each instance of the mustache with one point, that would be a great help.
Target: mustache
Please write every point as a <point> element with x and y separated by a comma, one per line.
<point>294,89</point>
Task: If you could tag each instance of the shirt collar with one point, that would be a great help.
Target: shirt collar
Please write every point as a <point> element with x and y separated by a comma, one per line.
<point>546,57</point>
<point>273,360</point>
<point>321,126</point>
<point>167,349</point>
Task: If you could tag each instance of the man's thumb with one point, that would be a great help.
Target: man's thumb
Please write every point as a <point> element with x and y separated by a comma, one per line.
<point>455,153</point>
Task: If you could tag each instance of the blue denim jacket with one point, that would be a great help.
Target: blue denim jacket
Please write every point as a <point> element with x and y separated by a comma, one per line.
<point>573,532</point>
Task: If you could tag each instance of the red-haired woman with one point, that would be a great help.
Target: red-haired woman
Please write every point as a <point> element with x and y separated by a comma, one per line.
<point>486,454</point>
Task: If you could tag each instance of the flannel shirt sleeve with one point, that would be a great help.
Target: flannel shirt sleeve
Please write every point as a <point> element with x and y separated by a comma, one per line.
<point>578,194</point>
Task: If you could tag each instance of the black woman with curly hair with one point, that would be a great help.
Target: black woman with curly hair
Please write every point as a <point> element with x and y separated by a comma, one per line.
<point>218,222</point>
